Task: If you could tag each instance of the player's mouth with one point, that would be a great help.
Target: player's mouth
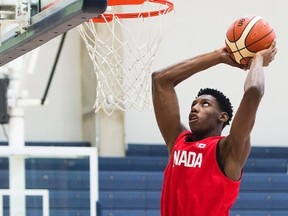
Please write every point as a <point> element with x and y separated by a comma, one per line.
<point>193,118</point>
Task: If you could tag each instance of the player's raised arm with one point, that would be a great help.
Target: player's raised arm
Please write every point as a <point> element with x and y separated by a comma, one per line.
<point>235,148</point>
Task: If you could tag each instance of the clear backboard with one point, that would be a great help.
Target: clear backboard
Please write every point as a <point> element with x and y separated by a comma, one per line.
<point>28,24</point>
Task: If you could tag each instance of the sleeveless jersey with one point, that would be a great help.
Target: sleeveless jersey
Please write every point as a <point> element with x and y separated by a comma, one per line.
<point>194,184</point>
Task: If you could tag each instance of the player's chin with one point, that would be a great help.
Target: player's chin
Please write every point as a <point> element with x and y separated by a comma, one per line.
<point>193,126</point>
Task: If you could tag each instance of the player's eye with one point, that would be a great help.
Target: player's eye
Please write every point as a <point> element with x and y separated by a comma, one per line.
<point>205,104</point>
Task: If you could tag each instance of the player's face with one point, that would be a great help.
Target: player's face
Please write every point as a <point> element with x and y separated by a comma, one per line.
<point>204,114</point>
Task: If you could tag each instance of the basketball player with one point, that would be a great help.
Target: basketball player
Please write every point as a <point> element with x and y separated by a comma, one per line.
<point>204,171</point>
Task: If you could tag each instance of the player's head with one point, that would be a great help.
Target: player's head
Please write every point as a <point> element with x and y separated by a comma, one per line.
<point>223,102</point>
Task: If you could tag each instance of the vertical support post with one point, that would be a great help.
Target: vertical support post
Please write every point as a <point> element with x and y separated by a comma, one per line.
<point>94,185</point>
<point>17,163</point>
<point>16,141</point>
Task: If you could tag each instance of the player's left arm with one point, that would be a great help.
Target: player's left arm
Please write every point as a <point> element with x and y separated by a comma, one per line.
<point>235,148</point>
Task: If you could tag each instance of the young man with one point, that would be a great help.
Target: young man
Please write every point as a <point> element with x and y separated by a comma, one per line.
<point>204,171</point>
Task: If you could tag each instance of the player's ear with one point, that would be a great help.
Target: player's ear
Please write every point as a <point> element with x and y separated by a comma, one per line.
<point>223,116</point>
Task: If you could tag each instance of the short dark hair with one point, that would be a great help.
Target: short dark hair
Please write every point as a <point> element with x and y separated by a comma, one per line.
<point>224,102</point>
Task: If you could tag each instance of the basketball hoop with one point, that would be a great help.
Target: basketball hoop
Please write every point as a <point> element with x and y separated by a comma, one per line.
<point>122,46</point>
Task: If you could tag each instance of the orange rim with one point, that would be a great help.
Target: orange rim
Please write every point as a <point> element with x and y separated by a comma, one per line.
<point>124,2</point>
<point>108,17</point>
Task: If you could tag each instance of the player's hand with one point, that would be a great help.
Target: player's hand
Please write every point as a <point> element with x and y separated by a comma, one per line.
<point>268,55</point>
<point>226,59</point>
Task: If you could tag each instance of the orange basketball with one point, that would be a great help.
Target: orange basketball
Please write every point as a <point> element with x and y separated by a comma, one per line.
<point>246,36</point>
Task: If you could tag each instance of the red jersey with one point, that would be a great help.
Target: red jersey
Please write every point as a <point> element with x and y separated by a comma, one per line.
<point>194,184</point>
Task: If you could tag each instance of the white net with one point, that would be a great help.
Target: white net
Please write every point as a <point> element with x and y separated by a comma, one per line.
<point>122,51</point>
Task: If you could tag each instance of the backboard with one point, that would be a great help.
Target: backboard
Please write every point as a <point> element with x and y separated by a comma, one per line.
<point>26,28</point>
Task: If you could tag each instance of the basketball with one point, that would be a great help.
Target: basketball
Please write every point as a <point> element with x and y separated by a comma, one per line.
<point>246,36</point>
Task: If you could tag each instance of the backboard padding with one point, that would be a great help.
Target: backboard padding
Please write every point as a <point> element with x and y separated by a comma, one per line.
<point>50,23</point>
